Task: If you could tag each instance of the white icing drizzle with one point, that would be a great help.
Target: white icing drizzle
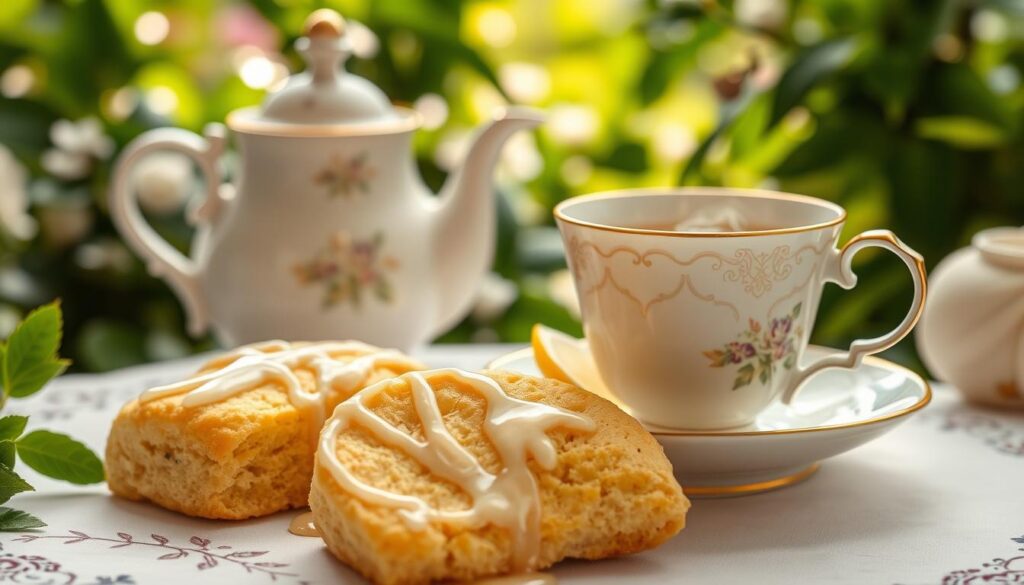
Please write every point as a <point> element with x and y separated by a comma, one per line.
<point>252,365</point>
<point>517,428</point>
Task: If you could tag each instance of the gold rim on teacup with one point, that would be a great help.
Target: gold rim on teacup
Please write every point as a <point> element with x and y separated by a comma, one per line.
<point>561,215</point>
<point>500,362</point>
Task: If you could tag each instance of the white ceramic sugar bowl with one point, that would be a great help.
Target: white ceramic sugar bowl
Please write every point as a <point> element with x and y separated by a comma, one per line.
<point>972,331</point>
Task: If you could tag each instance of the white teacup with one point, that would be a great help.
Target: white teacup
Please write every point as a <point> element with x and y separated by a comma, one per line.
<point>698,302</point>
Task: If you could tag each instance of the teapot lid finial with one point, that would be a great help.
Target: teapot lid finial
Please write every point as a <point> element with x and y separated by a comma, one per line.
<point>326,93</point>
<point>324,22</point>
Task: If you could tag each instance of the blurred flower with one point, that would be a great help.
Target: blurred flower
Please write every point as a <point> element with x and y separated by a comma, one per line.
<point>365,42</point>
<point>65,224</point>
<point>161,100</point>
<point>947,47</point>
<point>257,72</point>
<point>17,81</point>
<point>163,182</point>
<point>433,109</point>
<point>485,101</point>
<point>120,103</point>
<point>577,170</point>
<point>989,26</point>
<point>673,142</point>
<point>76,146</point>
<point>563,291</point>
<point>1004,79</point>
<point>767,14</point>
<point>105,254</point>
<point>452,148</point>
<point>493,25</point>
<point>494,297</point>
<point>520,157</point>
<point>151,27</point>
<point>239,24</point>
<point>9,318</point>
<point>14,217</point>
<point>525,83</point>
<point>572,124</point>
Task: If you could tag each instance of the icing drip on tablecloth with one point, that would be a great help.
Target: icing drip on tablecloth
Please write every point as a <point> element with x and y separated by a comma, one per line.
<point>516,428</point>
<point>338,366</point>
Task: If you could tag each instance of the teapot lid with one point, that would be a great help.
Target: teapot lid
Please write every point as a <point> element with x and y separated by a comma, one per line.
<point>325,94</point>
<point>1002,246</point>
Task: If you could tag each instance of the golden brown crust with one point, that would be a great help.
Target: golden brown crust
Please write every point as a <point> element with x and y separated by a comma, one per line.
<point>611,492</point>
<point>248,455</point>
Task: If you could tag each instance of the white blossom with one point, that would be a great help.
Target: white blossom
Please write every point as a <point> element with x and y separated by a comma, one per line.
<point>494,297</point>
<point>76,145</point>
<point>14,217</point>
<point>163,182</point>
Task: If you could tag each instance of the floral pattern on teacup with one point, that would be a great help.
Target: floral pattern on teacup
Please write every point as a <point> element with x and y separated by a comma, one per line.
<point>754,273</point>
<point>760,349</point>
<point>349,268</point>
<point>346,175</point>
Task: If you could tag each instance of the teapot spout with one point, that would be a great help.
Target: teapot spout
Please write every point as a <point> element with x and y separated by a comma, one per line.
<point>464,240</point>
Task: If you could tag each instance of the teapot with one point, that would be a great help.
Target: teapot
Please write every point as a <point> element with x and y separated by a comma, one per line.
<point>972,331</point>
<point>329,232</point>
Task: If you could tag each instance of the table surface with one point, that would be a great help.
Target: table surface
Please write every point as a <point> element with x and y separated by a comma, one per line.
<point>938,500</point>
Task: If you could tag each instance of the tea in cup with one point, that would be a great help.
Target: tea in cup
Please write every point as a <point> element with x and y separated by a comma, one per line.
<point>697,303</point>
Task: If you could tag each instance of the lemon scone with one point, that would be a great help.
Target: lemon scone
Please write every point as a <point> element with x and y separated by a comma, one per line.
<point>447,474</point>
<point>238,439</point>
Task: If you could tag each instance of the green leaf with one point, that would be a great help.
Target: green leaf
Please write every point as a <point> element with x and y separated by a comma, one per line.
<point>15,520</point>
<point>744,376</point>
<point>790,362</point>
<point>30,359</point>
<point>7,454</point>
<point>11,483</point>
<point>12,426</point>
<point>728,113</point>
<point>796,310</point>
<point>807,70</point>
<point>60,457</point>
<point>962,131</point>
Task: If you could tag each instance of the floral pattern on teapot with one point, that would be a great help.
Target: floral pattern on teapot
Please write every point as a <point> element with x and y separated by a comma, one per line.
<point>760,349</point>
<point>345,176</point>
<point>348,269</point>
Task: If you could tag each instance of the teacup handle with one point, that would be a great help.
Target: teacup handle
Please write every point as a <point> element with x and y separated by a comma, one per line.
<point>840,272</point>
<point>162,259</point>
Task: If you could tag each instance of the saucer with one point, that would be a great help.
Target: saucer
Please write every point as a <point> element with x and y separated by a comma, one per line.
<point>837,410</point>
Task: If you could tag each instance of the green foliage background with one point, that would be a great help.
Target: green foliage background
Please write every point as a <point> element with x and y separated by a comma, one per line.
<point>909,113</point>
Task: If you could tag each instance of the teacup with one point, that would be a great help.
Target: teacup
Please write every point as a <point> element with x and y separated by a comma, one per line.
<point>697,303</point>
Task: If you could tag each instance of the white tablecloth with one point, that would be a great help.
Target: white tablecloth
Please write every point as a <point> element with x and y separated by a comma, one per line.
<point>939,500</point>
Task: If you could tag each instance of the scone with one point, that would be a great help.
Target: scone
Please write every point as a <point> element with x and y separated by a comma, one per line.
<point>446,474</point>
<point>238,439</point>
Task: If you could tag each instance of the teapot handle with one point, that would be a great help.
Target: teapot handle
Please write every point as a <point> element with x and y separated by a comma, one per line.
<point>162,259</point>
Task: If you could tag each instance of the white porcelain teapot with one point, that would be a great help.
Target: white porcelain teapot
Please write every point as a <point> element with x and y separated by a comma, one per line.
<point>329,232</point>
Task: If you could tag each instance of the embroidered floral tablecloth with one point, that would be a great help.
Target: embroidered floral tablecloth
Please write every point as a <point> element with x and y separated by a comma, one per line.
<point>939,500</point>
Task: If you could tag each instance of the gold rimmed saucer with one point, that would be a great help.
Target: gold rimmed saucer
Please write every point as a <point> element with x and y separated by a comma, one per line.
<point>838,410</point>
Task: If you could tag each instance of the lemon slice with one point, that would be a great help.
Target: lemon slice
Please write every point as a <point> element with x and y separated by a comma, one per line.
<point>565,358</point>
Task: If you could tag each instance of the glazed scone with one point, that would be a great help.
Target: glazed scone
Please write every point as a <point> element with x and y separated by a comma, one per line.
<point>238,439</point>
<point>448,475</point>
